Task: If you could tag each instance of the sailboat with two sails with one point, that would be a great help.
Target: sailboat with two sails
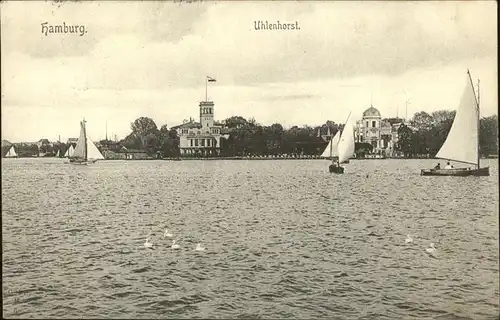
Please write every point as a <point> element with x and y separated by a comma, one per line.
<point>331,150</point>
<point>69,152</point>
<point>342,148</point>
<point>11,153</point>
<point>462,142</point>
<point>85,151</point>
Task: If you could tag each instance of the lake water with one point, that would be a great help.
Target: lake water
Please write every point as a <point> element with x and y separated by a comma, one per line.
<point>284,239</point>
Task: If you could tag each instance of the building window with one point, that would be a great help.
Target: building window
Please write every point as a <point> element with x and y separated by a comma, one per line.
<point>195,142</point>
<point>191,140</point>
<point>202,142</point>
<point>208,142</point>
<point>367,124</point>
<point>373,124</point>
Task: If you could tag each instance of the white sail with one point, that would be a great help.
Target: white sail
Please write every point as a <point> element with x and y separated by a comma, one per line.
<point>80,148</point>
<point>346,143</point>
<point>12,153</point>
<point>92,151</point>
<point>461,144</point>
<point>331,149</point>
<point>69,152</point>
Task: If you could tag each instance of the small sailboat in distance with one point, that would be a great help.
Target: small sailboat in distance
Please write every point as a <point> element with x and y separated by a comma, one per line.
<point>462,142</point>
<point>85,151</point>
<point>69,152</point>
<point>345,147</point>
<point>11,153</point>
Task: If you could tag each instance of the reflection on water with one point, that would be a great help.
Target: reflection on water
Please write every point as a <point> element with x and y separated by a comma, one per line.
<point>283,239</point>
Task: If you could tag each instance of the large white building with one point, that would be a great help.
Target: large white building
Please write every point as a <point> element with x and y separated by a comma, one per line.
<point>200,138</point>
<point>382,134</point>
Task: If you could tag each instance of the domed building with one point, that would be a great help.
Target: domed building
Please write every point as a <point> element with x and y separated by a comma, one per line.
<point>376,131</point>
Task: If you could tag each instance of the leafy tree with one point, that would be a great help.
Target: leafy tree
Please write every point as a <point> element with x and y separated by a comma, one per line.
<point>236,122</point>
<point>442,116</point>
<point>405,141</point>
<point>145,129</point>
<point>166,142</point>
<point>422,121</point>
<point>132,141</point>
<point>488,135</point>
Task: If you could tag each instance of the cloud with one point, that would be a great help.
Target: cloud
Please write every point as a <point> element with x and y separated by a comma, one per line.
<point>151,58</point>
<point>149,22</point>
<point>161,44</point>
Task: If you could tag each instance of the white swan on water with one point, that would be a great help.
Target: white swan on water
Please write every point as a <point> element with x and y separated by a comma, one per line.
<point>148,244</point>
<point>174,245</point>
<point>199,247</point>
<point>167,234</point>
<point>408,239</point>
<point>431,249</point>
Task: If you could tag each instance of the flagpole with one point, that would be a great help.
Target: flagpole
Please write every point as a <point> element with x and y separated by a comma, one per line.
<point>206,88</point>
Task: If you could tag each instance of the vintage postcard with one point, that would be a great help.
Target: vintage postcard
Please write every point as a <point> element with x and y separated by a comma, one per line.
<point>250,159</point>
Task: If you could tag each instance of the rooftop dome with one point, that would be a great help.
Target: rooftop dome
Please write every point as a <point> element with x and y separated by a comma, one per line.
<point>371,112</point>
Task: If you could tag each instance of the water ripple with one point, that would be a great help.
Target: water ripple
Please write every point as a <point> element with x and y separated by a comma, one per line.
<point>284,239</point>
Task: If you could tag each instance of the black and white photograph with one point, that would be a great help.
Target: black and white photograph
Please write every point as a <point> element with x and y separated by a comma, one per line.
<point>248,159</point>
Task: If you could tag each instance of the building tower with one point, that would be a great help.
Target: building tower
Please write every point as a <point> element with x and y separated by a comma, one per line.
<point>206,115</point>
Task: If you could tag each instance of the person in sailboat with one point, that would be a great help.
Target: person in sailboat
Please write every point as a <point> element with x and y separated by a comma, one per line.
<point>448,166</point>
<point>438,166</point>
<point>333,166</point>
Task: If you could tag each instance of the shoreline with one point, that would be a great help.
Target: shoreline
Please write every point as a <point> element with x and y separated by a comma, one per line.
<point>248,158</point>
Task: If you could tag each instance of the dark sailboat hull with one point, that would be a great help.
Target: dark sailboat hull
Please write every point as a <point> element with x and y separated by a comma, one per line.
<point>459,172</point>
<point>335,169</point>
<point>81,161</point>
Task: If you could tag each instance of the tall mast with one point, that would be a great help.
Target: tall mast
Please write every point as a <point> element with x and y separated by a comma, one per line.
<point>206,88</point>
<point>478,124</point>
<point>85,135</point>
<point>106,130</point>
<point>331,145</point>
<point>476,99</point>
<point>406,110</point>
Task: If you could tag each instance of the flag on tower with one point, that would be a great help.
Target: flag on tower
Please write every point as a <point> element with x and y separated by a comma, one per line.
<point>210,79</point>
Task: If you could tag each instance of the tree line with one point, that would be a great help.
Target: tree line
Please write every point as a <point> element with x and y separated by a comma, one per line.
<point>423,135</point>
<point>426,133</point>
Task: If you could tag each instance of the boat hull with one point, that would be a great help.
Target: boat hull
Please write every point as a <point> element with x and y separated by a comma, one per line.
<point>335,169</point>
<point>459,172</point>
<point>81,162</point>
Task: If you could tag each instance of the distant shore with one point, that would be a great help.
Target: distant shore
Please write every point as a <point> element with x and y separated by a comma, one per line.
<point>258,158</point>
<point>299,158</point>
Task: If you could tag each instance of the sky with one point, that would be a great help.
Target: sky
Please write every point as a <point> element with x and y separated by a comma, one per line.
<point>151,59</point>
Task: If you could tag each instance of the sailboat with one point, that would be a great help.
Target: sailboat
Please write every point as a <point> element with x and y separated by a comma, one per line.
<point>345,147</point>
<point>462,142</point>
<point>331,151</point>
<point>57,155</point>
<point>11,153</point>
<point>69,152</point>
<point>85,151</point>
